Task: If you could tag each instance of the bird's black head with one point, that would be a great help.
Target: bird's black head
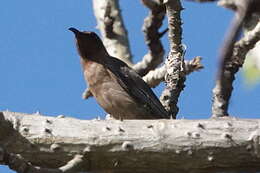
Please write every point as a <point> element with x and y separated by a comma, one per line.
<point>89,44</point>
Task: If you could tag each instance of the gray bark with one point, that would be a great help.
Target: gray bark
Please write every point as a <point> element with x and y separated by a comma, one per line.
<point>175,72</point>
<point>215,145</point>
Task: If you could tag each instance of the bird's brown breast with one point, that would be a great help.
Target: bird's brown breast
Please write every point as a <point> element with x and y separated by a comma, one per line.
<point>109,94</point>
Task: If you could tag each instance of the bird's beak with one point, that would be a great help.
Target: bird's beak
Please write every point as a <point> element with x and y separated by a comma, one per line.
<point>74,30</point>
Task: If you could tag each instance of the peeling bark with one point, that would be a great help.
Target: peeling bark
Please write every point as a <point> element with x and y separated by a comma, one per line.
<point>175,76</point>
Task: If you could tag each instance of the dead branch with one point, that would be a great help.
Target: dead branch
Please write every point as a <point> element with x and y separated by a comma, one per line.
<point>231,37</point>
<point>227,70</point>
<point>175,75</point>
<point>193,65</point>
<point>156,145</point>
<point>152,24</point>
<point>155,77</point>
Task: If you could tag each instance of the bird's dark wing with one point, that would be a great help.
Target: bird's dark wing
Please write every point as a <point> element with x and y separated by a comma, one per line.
<point>136,86</point>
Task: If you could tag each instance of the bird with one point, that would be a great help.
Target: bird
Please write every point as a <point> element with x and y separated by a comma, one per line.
<point>118,89</point>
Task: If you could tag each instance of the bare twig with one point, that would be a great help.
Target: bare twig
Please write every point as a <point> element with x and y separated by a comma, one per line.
<point>175,75</point>
<point>231,37</point>
<point>223,89</point>
<point>152,24</point>
<point>245,44</point>
<point>155,77</point>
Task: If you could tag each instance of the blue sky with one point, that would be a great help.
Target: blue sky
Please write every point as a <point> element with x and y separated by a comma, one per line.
<point>40,68</point>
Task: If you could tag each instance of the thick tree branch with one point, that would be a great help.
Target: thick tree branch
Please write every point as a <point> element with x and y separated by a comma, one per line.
<point>152,24</point>
<point>175,76</point>
<point>113,145</point>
